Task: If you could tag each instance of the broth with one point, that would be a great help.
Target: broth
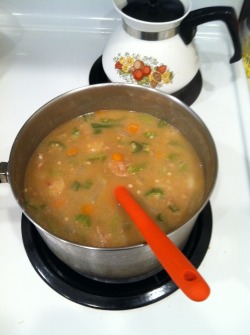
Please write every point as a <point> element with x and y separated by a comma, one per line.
<point>71,176</point>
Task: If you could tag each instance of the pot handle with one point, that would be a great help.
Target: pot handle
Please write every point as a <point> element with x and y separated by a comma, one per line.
<point>3,172</point>
<point>203,15</point>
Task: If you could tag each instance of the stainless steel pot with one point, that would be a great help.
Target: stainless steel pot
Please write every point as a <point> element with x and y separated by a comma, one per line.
<point>109,264</point>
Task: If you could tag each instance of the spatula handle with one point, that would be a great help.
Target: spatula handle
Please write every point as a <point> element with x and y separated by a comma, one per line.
<point>179,268</point>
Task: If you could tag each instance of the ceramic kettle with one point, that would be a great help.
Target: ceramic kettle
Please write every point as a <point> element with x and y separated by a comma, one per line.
<point>157,54</point>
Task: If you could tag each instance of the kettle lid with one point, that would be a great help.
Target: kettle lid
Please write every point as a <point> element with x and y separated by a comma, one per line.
<point>154,10</point>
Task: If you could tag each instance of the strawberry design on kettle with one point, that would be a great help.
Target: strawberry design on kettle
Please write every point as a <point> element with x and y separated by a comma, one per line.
<point>142,70</point>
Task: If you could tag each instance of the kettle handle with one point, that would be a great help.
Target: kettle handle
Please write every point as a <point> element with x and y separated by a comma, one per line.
<point>203,15</point>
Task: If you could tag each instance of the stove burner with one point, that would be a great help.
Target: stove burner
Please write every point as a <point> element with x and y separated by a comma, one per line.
<point>187,94</point>
<point>96,294</point>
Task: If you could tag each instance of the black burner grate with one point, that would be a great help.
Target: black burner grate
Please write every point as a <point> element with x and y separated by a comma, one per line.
<point>188,94</point>
<point>96,294</point>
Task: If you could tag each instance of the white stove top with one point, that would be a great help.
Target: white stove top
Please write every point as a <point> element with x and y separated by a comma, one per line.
<point>44,56</point>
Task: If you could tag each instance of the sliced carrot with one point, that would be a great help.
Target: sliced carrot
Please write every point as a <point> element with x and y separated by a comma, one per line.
<point>72,152</point>
<point>117,156</point>
<point>133,128</point>
<point>88,208</point>
<point>159,154</point>
<point>58,203</point>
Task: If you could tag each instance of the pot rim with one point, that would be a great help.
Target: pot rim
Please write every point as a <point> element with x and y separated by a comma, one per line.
<point>136,87</point>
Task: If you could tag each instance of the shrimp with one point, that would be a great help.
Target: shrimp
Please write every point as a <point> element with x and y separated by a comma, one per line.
<point>56,186</point>
<point>119,168</point>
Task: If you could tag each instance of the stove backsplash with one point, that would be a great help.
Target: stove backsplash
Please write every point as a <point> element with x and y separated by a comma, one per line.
<point>83,14</point>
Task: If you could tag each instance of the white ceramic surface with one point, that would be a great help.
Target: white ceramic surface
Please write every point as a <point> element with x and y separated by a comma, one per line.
<point>47,48</point>
<point>181,61</point>
<point>151,54</point>
<point>169,63</point>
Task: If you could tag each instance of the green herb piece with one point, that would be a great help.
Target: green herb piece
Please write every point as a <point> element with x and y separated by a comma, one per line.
<point>76,185</point>
<point>138,147</point>
<point>114,223</point>
<point>150,134</point>
<point>109,120</point>
<point>135,168</point>
<point>162,218</point>
<point>145,147</point>
<point>173,208</point>
<point>75,132</point>
<point>155,192</point>
<point>87,184</point>
<point>135,147</point>
<point>84,219</point>
<point>99,127</point>
<point>146,117</point>
<point>36,207</point>
<point>97,157</point>
<point>103,125</point>
<point>56,144</point>
<point>173,157</point>
<point>97,131</point>
<point>183,167</point>
<point>175,143</point>
<point>162,123</point>
<point>127,226</point>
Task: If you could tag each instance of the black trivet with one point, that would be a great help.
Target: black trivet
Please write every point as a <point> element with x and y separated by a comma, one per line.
<point>109,296</point>
<point>187,94</point>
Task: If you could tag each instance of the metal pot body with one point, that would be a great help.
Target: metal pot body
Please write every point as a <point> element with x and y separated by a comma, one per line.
<point>111,264</point>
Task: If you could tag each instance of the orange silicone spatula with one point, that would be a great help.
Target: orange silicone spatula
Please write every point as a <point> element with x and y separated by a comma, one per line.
<point>179,268</point>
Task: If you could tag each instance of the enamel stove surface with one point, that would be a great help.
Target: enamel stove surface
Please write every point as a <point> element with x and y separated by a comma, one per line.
<point>44,55</point>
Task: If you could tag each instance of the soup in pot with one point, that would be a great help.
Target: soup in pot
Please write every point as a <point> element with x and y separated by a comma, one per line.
<point>71,176</point>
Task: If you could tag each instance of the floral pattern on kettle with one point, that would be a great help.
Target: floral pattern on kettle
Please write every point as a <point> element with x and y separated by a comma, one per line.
<point>144,70</point>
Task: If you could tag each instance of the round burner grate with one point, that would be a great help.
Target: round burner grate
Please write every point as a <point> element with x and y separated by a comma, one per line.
<point>96,294</point>
<point>187,94</point>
